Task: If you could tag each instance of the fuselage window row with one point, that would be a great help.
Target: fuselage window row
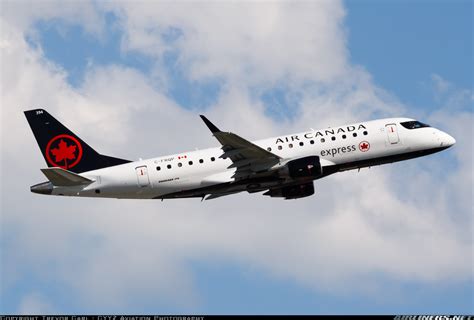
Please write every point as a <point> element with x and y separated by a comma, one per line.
<point>180,164</point>
<point>269,149</point>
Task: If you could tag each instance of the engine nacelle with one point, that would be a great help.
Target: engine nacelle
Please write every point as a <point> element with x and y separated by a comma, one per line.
<point>292,192</point>
<point>307,167</point>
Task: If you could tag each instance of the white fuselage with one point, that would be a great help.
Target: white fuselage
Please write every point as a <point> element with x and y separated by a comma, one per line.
<point>339,148</point>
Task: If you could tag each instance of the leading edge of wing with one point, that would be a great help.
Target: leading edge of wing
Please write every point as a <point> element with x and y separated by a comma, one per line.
<point>232,141</point>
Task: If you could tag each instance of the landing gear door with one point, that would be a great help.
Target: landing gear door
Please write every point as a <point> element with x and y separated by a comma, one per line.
<point>142,176</point>
<point>392,133</point>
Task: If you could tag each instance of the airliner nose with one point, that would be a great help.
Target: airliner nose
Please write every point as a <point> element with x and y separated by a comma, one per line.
<point>451,140</point>
<point>447,140</point>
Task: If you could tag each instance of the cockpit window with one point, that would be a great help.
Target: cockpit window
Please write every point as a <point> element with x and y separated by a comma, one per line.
<point>414,124</point>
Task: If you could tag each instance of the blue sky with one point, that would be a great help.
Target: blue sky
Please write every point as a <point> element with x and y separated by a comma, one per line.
<point>402,45</point>
<point>402,42</point>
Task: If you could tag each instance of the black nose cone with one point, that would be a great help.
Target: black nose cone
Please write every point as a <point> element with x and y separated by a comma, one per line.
<point>42,188</point>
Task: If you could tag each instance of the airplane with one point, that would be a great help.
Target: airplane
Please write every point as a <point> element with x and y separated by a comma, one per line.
<point>283,167</point>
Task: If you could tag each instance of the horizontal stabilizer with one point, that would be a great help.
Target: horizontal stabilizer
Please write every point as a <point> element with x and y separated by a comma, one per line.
<point>63,178</point>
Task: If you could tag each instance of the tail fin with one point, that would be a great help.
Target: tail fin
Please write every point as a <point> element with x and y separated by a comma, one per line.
<point>62,148</point>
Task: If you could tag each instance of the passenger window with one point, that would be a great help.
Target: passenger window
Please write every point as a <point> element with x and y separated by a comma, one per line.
<point>213,159</point>
<point>333,138</point>
<point>290,145</point>
<point>311,141</point>
<point>168,166</point>
<point>301,143</point>
<point>323,140</point>
<point>180,164</point>
<point>201,161</point>
<point>344,136</point>
<point>190,163</point>
<point>354,134</point>
<point>158,168</point>
<point>269,149</point>
<point>280,147</point>
<point>365,133</point>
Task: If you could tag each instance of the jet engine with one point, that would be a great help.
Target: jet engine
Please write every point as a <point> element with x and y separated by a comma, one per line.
<point>292,192</point>
<point>307,167</point>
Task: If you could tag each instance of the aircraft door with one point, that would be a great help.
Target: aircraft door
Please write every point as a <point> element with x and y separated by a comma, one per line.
<point>392,133</point>
<point>142,176</point>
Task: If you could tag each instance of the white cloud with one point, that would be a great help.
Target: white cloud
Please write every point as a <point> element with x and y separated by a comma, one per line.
<point>254,43</point>
<point>440,85</point>
<point>35,303</point>
<point>448,95</point>
<point>357,227</point>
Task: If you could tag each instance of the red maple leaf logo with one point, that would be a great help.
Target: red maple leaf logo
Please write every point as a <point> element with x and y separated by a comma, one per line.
<point>364,146</point>
<point>67,149</point>
<point>64,152</point>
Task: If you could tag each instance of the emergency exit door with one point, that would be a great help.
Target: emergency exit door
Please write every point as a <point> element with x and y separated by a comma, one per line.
<point>142,176</point>
<point>392,133</point>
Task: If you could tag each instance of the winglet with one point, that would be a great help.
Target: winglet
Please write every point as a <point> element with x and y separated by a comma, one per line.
<point>209,124</point>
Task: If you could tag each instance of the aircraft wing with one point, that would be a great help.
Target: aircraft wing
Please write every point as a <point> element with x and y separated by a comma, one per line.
<point>246,157</point>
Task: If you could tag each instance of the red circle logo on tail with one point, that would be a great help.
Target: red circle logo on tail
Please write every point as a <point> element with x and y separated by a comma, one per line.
<point>63,151</point>
<point>364,146</point>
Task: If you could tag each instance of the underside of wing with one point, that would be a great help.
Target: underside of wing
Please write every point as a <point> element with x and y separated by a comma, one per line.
<point>251,185</point>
